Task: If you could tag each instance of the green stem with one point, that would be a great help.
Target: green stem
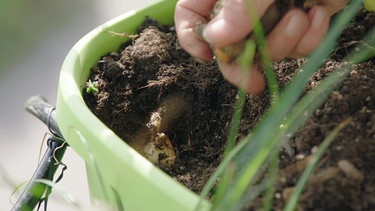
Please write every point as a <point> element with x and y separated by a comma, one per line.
<point>292,203</point>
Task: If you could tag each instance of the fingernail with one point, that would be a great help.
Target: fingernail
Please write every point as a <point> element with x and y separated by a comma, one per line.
<point>295,26</point>
<point>200,60</point>
<point>198,30</point>
<point>319,18</point>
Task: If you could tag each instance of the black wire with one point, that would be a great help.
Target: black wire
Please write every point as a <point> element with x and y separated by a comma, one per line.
<point>30,198</point>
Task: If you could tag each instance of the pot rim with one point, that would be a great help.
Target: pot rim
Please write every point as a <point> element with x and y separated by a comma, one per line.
<point>115,171</point>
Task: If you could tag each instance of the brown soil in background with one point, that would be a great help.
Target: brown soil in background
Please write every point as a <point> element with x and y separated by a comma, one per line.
<point>136,80</point>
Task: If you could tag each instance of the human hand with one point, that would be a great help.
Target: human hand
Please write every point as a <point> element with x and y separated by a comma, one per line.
<point>297,34</point>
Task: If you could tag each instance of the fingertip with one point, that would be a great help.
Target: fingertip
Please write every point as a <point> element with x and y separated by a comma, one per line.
<point>230,24</point>
<point>187,15</point>
<point>252,81</point>
<point>201,51</point>
<point>204,58</point>
<point>256,83</point>
<point>314,35</point>
<point>297,23</point>
<point>284,38</point>
<point>201,54</point>
<point>318,15</point>
<point>193,45</point>
<point>218,32</point>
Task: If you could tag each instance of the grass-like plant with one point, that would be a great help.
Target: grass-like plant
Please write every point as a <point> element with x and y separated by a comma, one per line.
<point>240,171</point>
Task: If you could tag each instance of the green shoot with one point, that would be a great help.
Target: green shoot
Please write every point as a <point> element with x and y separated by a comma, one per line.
<point>235,123</point>
<point>272,170</point>
<point>92,87</point>
<point>264,55</point>
<point>244,60</point>
<point>292,203</point>
<point>58,189</point>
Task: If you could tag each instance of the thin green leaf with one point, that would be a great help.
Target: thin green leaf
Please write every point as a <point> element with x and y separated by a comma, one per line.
<point>292,203</point>
<point>272,178</point>
<point>263,53</point>
<point>236,120</point>
<point>58,189</point>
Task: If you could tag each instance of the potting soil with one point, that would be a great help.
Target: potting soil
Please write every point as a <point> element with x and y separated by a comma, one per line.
<point>146,73</point>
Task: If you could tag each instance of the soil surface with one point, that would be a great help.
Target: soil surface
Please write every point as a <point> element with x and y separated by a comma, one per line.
<point>154,74</point>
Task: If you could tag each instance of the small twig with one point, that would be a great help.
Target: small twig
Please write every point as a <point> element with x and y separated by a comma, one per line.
<point>123,34</point>
<point>355,42</point>
<point>57,162</point>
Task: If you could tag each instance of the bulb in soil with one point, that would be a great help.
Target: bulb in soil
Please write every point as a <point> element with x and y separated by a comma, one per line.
<point>160,151</point>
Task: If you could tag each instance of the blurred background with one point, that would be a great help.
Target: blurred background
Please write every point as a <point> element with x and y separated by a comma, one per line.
<point>35,37</point>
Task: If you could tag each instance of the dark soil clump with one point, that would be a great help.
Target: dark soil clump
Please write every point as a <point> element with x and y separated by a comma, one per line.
<point>145,74</point>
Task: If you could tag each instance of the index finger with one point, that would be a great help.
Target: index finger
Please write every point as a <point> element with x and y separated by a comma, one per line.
<point>234,21</point>
<point>188,14</point>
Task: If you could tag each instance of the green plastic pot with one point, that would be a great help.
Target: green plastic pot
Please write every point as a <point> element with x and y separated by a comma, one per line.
<point>117,174</point>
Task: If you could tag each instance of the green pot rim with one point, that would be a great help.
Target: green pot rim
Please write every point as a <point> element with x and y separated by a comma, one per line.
<point>117,174</point>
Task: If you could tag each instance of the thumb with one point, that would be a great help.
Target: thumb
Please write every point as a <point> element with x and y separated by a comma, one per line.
<point>232,22</point>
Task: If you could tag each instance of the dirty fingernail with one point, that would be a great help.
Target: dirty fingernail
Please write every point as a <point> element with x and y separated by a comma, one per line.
<point>320,17</point>
<point>295,26</point>
<point>198,30</point>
